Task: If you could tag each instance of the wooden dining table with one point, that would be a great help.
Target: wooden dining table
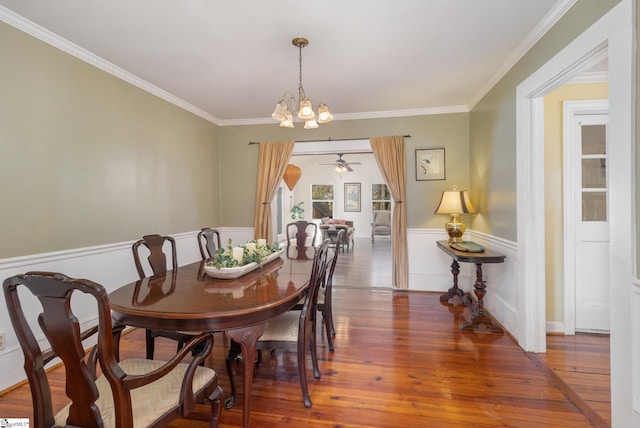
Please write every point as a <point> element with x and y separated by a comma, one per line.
<point>188,299</point>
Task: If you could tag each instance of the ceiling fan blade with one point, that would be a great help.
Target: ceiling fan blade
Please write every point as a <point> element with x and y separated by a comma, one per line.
<point>355,163</point>
<point>346,165</point>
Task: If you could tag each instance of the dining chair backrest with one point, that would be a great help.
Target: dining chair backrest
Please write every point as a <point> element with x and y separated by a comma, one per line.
<point>96,401</point>
<point>324,300</point>
<point>208,242</point>
<point>157,257</point>
<point>300,231</point>
<point>317,280</point>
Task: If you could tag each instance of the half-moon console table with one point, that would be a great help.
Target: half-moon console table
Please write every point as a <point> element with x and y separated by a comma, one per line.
<point>478,316</point>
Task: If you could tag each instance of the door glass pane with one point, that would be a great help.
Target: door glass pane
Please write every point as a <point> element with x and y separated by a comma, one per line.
<point>594,139</point>
<point>594,206</point>
<point>594,173</point>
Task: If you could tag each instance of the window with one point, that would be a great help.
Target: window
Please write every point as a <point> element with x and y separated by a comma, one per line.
<point>321,200</point>
<point>380,197</point>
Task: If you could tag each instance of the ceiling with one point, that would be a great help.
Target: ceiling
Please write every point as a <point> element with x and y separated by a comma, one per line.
<point>231,61</point>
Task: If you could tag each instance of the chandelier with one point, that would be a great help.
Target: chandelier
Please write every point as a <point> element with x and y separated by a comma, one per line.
<point>289,103</point>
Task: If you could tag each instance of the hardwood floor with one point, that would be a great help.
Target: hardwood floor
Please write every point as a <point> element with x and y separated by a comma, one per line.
<point>401,360</point>
<point>365,265</point>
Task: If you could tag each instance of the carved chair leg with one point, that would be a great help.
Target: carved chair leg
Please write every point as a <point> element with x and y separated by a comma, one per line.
<point>150,342</point>
<point>214,399</point>
<point>234,351</point>
<point>328,324</point>
<point>302,373</point>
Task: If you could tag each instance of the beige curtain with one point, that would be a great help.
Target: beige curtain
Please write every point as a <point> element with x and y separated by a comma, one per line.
<point>389,153</point>
<point>273,158</point>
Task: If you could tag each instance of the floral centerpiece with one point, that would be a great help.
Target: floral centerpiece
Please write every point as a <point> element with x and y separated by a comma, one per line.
<point>255,251</point>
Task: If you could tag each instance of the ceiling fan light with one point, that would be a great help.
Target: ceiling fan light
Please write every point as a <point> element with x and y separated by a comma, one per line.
<point>310,124</point>
<point>280,112</point>
<point>306,111</point>
<point>324,115</point>
<point>287,122</point>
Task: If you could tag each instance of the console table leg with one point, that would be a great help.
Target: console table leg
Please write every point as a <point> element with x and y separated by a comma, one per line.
<point>455,291</point>
<point>479,317</point>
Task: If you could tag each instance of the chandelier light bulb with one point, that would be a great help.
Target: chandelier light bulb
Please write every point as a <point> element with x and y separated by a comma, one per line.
<point>310,124</point>
<point>324,115</point>
<point>287,122</point>
<point>306,110</point>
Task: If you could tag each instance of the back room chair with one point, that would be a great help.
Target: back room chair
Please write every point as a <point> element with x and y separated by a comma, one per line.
<point>120,397</point>
<point>381,225</point>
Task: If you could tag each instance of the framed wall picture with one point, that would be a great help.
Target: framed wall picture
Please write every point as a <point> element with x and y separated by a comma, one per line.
<point>430,164</point>
<point>352,197</point>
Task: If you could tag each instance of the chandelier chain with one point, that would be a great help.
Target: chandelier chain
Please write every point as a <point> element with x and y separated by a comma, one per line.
<point>300,87</point>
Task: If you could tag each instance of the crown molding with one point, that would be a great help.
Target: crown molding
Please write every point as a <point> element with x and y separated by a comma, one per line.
<point>549,20</point>
<point>64,45</point>
<point>72,49</point>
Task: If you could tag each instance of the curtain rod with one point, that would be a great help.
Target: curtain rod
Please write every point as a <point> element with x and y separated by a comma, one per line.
<point>328,139</point>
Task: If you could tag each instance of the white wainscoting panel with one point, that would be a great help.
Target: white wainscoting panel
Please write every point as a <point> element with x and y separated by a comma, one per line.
<point>430,267</point>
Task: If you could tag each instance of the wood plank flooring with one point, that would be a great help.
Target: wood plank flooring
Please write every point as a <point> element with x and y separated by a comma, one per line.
<point>400,360</point>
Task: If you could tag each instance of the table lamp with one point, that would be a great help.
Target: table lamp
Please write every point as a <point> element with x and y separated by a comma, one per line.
<point>455,203</point>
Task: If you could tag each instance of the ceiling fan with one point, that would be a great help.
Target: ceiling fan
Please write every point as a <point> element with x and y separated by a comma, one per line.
<point>341,164</point>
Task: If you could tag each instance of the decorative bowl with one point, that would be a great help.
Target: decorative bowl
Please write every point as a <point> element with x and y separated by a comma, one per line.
<point>237,272</point>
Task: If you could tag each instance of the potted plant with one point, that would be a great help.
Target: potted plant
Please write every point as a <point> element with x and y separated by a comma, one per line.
<point>296,212</point>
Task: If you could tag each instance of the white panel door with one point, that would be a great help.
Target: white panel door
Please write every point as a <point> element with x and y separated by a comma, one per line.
<point>592,225</point>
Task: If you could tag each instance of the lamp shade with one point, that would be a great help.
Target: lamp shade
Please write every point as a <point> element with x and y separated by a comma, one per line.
<point>291,176</point>
<point>324,115</point>
<point>306,111</point>
<point>287,122</point>
<point>280,112</point>
<point>455,202</point>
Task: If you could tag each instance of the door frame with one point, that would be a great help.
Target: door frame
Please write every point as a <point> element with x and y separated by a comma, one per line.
<point>614,35</point>
<point>571,109</point>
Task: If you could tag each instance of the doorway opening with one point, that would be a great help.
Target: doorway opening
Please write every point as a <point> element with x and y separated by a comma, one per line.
<point>353,199</point>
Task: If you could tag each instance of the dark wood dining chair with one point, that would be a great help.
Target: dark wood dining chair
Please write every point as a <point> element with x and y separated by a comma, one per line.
<point>324,305</point>
<point>295,330</point>
<point>120,397</point>
<point>299,231</point>
<point>154,245</point>
<point>208,242</point>
<point>325,297</point>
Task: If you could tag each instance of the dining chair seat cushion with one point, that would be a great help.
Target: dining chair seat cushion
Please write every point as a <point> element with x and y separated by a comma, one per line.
<point>148,401</point>
<point>283,328</point>
<point>321,295</point>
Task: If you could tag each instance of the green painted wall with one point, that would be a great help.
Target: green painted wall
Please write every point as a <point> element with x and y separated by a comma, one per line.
<point>88,159</point>
<point>493,125</point>
<point>238,168</point>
